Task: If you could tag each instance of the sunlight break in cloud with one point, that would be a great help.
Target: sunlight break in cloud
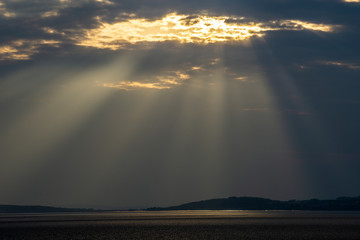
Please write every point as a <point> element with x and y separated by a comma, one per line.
<point>352,1</point>
<point>198,29</point>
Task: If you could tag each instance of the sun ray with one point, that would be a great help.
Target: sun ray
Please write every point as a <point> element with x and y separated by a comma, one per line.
<point>39,129</point>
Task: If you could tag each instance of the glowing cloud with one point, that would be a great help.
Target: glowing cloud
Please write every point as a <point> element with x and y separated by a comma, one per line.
<point>194,29</point>
<point>241,79</point>
<point>23,49</point>
<point>300,25</point>
<point>352,1</point>
<point>53,13</point>
<point>341,64</point>
<point>5,12</point>
<point>135,85</point>
<point>160,83</point>
<point>11,53</point>
<point>198,29</point>
<point>173,27</point>
<point>105,2</point>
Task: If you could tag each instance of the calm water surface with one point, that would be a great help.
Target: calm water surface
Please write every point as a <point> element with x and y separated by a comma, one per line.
<point>182,225</point>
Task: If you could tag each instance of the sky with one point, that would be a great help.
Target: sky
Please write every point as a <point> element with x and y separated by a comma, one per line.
<point>128,104</point>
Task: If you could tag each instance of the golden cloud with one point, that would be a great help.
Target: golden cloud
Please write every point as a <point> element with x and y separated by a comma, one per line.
<point>23,49</point>
<point>300,25</point>
<point>170,79</point>
<point>199,29</point>
<point>127,85</point>
<point>196,29</point>
<point>108,2</point>
<point>5,12</point>
<point>197,68</point>
<point>53,13</point>
<point>241,79</point>
<point>160,82</point>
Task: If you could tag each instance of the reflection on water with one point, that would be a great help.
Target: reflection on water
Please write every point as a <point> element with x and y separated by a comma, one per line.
<point>175,225</point>
<point>220,215</point>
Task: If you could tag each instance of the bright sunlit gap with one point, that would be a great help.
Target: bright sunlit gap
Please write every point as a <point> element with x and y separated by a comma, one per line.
<point>200,29</point>
<point>196,29</point>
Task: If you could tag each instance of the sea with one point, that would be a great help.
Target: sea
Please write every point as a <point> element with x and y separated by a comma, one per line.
<point>174,225</point>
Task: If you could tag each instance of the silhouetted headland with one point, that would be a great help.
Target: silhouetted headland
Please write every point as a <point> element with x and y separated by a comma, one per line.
<point>254,203</point>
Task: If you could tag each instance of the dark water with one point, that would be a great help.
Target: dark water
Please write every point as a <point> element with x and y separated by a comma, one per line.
<point>182,225</point>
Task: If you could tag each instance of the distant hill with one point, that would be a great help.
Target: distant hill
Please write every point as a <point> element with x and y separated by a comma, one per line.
<point>231,203</point>
<point>253,203</point>
<point>39,209</point>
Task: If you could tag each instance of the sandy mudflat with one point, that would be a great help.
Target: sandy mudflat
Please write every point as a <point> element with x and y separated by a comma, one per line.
<point>182,225</point>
